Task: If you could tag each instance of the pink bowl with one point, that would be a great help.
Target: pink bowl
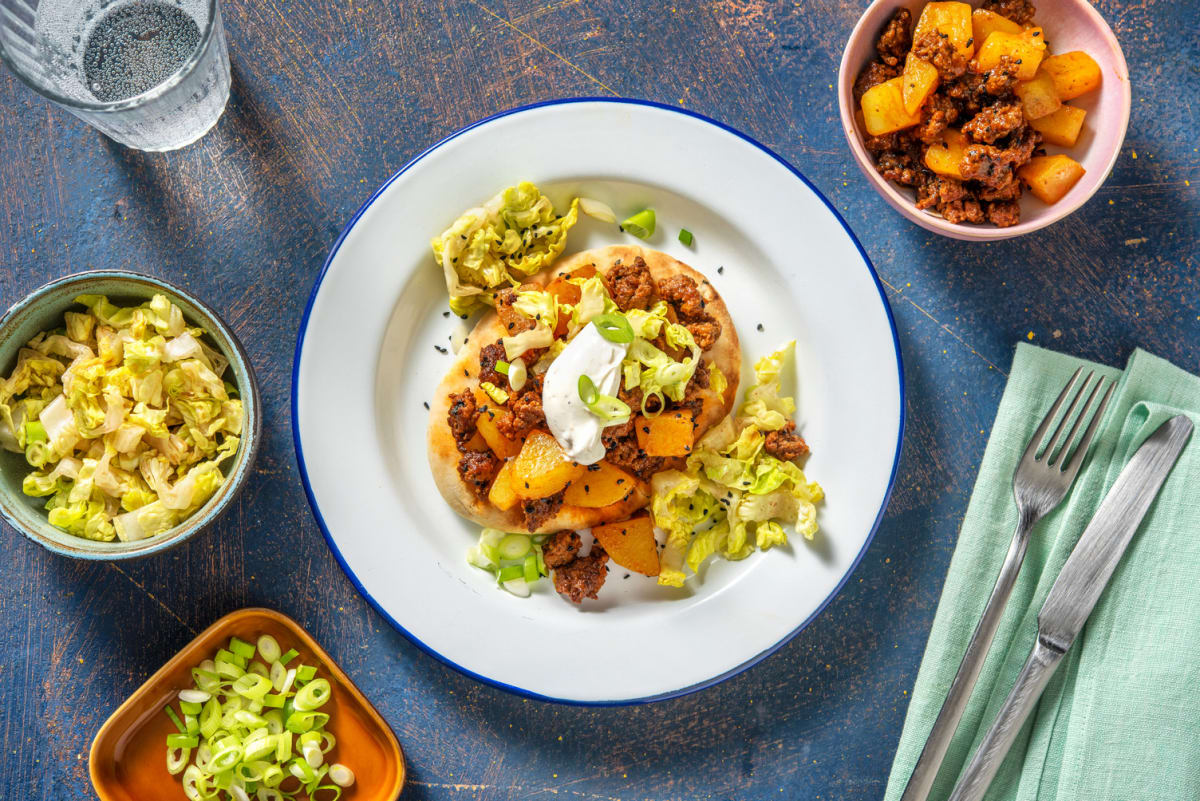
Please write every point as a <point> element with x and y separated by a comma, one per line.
<point>1070,25</point>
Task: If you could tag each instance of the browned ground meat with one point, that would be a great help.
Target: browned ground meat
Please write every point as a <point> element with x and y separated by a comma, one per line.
<point>786,444</point>
<point>681,292</point>
<point>995,121</point>
<point>477,469</point>
<point>876,73</point>
<point>1019,11</point>
<point>630,285</point>
<point>999,141</point>
<point>939,114</point>
<point>621,449</point>
<point>561,548</point>
<point>896,39</point>
<point>938,50</point>
<point>1001,79</point>
<point>524,412</point>
<point>488,357</point>
<point>1004,213</point>
<point>462,416</point>
<point>584,576</point>
<point>538,510</point>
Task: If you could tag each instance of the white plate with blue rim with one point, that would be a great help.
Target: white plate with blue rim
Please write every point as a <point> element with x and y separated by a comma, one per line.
<point>371,351</point>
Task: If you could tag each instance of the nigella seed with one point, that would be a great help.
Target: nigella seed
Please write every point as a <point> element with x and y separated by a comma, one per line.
<point>440,349</point>
<point>721,270</point>
<point>760,326</point>
<point>426,405</point>
<point>445,314</point>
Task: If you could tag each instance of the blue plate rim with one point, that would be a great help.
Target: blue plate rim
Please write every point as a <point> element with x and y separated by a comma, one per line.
<point>520,691</point>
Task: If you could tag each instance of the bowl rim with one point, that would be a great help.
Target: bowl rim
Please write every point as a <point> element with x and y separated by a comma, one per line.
<point>247,449</point>
<point>982,232</point>
<point>107,729</point>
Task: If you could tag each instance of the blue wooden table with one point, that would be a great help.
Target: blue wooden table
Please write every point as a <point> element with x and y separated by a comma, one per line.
<point>329,98</point>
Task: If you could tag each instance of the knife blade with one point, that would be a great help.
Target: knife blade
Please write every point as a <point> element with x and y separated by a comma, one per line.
<point>1075,592</point>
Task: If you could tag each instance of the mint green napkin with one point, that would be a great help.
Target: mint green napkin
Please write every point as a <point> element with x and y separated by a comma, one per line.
<point>1120,721</point>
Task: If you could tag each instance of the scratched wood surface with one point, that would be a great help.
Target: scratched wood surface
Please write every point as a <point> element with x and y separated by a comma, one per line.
<point>329,98</point>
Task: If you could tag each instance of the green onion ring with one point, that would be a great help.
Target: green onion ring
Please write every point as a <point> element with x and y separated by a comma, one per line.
<point>614,328</point>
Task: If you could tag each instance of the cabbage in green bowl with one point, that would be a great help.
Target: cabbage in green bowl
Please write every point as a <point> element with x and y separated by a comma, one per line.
<point>129,416</point>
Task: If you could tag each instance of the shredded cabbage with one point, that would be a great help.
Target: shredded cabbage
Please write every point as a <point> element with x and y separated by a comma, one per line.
<point>734,497</point>
<point>125,418</point>
<point>496,245</point>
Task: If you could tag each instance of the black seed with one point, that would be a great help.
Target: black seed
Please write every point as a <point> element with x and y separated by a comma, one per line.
<point>620,481</point>
<point>426,405</point>
<point>760,326</point>
<point>721,270</point>
<point>445,314</point>
<point>440,349</point>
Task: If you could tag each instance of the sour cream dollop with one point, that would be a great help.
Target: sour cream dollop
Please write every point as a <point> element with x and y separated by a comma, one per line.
<point>577,429</point>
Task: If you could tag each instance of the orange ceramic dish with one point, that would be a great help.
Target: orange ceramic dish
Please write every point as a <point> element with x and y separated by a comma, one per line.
<point>129,755</point>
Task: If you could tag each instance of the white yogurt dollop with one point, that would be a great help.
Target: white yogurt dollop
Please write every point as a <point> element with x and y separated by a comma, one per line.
<point>577,429</point>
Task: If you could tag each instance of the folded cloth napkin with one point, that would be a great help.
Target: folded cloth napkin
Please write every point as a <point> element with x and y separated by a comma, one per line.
<point>1120,720</point>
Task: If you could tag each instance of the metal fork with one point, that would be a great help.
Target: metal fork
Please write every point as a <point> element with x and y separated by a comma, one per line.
<point>1040,482</point>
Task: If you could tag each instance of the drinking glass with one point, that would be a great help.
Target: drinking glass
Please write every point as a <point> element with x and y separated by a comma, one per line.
<point>151,74</point>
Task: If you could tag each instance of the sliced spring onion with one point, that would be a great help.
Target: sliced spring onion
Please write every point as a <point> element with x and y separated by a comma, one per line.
<point>530,569</point>
<point>502,366</point>
<point>606,407</point>
<point>614,328</point>
<point>494,392</point>
<point>685,237</point>
<point>518,374</point>
<point>641,224</point>
<point>288,656</point>
<point>597,209</point>
<point>514,546</point>
<point>312,695</point>
<point>518,587</point>
<point>243,649</point>
<point>541,561</point>
<point>268,648</point>
<point>511,572</point>
<point>341,775</point>
<point>247,729</point>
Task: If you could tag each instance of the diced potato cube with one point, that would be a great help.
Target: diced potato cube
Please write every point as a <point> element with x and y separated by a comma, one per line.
<point>501,445</point>
<point>602,486</point>
<point>985,23</point>
<point>946,158</point>
<point>542,468</point>
<point>920,79</point>
<point>951,19</point>
<point>1038,95</point>
<point>631,544</point>
<point>1074,74</point>
<point>1051,177</point>
<point>883,108</point>
<point>1062,127</point>
<point>1027,51</point>
<point>669,434</point>
<point>501,494</point>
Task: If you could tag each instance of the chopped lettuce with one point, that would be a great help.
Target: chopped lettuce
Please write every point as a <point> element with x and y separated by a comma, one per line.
<point>734,497</point>
<point>498,244</point>
<point>125,418</point>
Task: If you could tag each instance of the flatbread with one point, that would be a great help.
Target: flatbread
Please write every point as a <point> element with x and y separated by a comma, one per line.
<point>464,374</point>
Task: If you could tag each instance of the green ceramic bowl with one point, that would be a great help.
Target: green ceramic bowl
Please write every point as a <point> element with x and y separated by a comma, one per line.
<point>43,310</point>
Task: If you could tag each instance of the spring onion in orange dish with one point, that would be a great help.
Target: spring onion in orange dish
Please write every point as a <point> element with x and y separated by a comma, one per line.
<point>125,417</point>
<point>251,727</point>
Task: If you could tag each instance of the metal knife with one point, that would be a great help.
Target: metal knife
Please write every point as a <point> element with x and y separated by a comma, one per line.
<point>1075,592</point>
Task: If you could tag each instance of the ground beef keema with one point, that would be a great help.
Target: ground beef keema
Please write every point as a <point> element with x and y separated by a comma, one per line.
<point>477,469</point>
<point>524,412</point>
<point>896,39</point>
<point>539,510</point>
<point>561,548</point>
<point>999,138</point>
<point>462,416</point>
<point>786,444</point>
<point>1019,11</point>
<point>622,450</point>
<point>681,292</point>
<point>488,356</point>
<point>583,576</point>
<point>630,285</point>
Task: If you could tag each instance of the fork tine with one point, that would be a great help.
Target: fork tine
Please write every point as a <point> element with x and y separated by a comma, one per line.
<point>1064,455</point>
<point>1053,453</point>
<point>1072,467</point>
<point>1036,440</point>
